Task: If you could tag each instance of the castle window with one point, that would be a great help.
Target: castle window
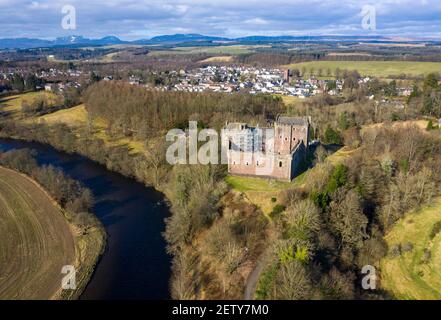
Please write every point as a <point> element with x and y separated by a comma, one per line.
<point>286,138</point>
<point>257,162</point>
<point>280,164</point>
<point>247,163</point>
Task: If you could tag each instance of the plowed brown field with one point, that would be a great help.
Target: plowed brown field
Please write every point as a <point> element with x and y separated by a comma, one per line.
<point>35,240</point>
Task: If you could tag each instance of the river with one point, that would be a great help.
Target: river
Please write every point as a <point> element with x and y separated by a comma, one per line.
<point>135,264</point>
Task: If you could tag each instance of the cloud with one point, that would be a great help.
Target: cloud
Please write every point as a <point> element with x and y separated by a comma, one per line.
<point>130,19</point>
<point>256,21</point>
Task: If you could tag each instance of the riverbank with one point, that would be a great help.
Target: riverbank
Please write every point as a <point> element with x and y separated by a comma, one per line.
<point>135,264</point>
<point>33,222</point>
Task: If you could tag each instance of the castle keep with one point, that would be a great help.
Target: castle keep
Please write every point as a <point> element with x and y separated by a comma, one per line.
<point>273,152</point>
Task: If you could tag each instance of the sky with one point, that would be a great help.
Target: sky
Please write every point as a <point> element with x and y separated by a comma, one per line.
<point>140,19</point>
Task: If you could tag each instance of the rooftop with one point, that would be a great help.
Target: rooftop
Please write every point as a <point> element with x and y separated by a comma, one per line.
<point>293,121</point>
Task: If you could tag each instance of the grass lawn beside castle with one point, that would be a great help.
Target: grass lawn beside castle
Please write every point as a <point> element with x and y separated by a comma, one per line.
<point>259,191</point>
<point>263,191</point>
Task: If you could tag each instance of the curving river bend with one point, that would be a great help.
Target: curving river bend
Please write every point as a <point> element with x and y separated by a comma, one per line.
<point>135,264</point>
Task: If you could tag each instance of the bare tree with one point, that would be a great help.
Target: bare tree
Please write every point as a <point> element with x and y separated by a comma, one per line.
<point>348,218</point>
<point>155,156</point>
<point>292,283</point>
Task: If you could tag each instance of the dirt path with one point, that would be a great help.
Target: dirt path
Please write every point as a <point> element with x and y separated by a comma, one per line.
<point>35,240</point>
<point>252,280</point>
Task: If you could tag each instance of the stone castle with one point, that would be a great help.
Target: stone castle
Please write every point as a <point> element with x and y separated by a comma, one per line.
<point>272,152</point>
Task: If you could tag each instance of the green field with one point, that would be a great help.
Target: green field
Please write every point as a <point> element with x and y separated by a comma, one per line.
<point>412,275</point>
<point>381,69</point>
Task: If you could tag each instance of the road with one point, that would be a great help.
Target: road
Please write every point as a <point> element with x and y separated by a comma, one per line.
<point>252,280</point>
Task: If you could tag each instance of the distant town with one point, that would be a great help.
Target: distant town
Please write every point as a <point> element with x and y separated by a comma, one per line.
<point>212,78</point>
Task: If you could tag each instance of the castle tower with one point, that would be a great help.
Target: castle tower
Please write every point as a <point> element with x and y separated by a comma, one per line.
<point>288,132</point>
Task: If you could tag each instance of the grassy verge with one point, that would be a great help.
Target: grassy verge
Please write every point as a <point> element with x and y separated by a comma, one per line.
<point>12,104</point>
<point>77,118</point>
<point>415,274</point>
<point>74,116</point>
<point>89,247</point>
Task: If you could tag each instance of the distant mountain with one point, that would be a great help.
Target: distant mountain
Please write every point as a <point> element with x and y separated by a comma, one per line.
<point>26,43</point>
<point>70,40</point>
<point>308,38</point>
<point>185,38</point>
<point>78,41</point>
<point>21,43</point>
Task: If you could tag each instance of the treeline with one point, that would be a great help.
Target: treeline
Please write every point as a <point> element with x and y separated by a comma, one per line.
<point>194,193</point>
<point>60,136</point>
<point>41,105</point>
<point>336,117</point>
<point>71,195</point>
<point>21,83</point>
<point>213,235</point>
<point>274,57</point>
<point>280,55</point>
<point>132,110</point>
<point>335,225</point>
<point>427,98</point>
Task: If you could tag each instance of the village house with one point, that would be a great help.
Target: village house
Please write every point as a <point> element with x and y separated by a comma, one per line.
<point>251,79</point>
<point>272,152</point>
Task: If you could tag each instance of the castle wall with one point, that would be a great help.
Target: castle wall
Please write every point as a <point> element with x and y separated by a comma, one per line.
<point>298,156</point>
<point>275,166</point>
